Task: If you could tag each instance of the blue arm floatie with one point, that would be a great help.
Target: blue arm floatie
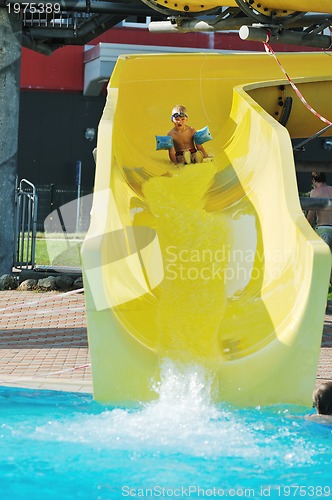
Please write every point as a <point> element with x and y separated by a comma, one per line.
<point>202,135</point>
<point>164,142</point>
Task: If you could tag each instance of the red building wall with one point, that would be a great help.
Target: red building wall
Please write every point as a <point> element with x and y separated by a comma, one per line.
<point>64,68</point>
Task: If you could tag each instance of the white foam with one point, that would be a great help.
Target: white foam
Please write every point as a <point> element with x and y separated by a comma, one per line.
<point>182,419</point>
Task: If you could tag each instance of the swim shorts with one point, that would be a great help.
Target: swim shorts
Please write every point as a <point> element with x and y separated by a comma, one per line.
<point>325,232</point>
<point>180,153</point>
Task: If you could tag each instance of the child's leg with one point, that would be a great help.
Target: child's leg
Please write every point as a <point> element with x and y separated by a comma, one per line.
<point>187,156</point>
<point>184,157</point>
<point>197,157</point>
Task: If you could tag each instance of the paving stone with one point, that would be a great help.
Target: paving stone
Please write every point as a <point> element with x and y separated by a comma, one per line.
<point>41,346</point>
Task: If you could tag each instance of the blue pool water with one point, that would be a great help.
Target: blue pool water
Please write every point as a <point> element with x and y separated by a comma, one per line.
<point>59,446</point>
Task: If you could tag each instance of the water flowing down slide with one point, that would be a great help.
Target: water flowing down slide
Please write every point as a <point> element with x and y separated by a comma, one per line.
<point>211,264</point>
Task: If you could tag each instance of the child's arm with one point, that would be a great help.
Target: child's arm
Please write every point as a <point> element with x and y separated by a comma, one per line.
<point>203,135</point>
<point>172,152</point>
<point>172,155</point>
<point>201,148</point>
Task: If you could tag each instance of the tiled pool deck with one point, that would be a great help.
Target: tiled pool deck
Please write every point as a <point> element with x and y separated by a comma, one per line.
<point>43,342</point>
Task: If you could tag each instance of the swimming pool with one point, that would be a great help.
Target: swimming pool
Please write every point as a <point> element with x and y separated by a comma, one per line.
<point>57,445</point>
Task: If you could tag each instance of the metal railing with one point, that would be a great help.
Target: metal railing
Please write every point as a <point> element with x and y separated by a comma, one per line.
<point>25,225</point>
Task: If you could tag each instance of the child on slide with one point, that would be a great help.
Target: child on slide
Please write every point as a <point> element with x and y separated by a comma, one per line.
<point>185,149</point>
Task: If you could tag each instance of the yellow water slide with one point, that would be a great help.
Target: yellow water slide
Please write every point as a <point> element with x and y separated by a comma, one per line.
<point>210,264</point>
<point>267,8</point>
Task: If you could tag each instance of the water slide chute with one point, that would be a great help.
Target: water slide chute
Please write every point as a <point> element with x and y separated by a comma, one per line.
<point>278,10</point>
<point>212,264</point>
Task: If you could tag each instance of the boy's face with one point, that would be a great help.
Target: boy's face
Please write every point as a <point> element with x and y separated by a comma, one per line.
<point>179,119</point>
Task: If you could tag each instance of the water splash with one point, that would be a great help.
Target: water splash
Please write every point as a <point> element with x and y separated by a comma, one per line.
<point>182,420</point>
<point>181,436</point>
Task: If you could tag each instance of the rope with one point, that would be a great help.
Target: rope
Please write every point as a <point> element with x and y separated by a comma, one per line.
<point>66,310</point>
<point>51,374</point>
<point>270,51</point>
<point>51,297</point>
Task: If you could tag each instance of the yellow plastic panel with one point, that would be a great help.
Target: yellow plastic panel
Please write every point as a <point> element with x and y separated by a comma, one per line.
<point>279,7</point>
<point>193,5</point>
<point>211,264</point>
<point>299,5</point>
<point>301,122</point>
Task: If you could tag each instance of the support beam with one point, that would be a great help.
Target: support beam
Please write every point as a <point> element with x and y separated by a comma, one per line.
<point>316,203</point>
<point>274,35</point>
<point>194,25</point>
<point>10,55</point>
<point>213,23</point>
<point>310,166</point>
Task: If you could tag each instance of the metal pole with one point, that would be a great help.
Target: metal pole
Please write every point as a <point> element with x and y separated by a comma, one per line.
<point>316,203</point>
<point>310,166</point>
<point>311,138</point>
<point>34,228</point>
<point>274,35</point>
<point>52,197</point>
<point>78,183</point>
<point>193,25</point>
